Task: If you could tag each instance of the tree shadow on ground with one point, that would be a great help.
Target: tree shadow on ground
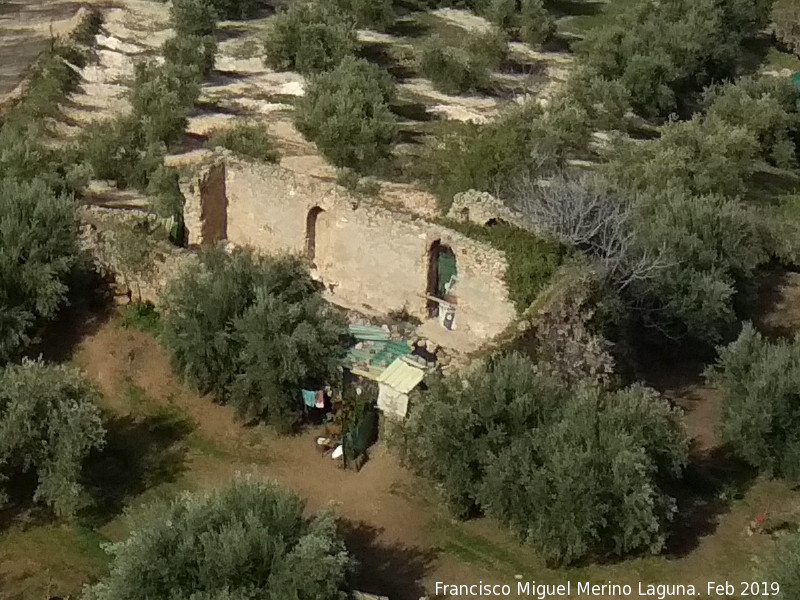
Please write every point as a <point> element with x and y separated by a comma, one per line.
<point>379,54</point>
<point>713,480</point>
<point>408,27</point>
<point>388,570</point>
<point>575,8</point>
<point>140,453</point>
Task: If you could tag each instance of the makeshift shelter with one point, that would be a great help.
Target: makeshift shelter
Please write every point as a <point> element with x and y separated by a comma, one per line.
<point>373,352</point>
<point>796,80</point>
<point>396,382</point>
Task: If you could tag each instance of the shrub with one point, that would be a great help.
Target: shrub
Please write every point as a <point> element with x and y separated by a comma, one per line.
<point>518,443</point>
<point>767,106</point>
<point>251,140</point>
<point>527,20</point>
<point>193,18</point>
<point>487,157</point>
<point>374,14</point>
<point>235,10</point>
<point>49,423</point>
<point>252,331</point>
<point>246,540</point>
<point>192,51</point>
<point>758,380</point>
<point>782,566</point>
<point>142,316</point>
<point>457,70</point>
<point>665,53</point>
<point>38,249</point>
<point>786,24</point>
<point>346,113</point>
<point>712,246</point>
<point>309,38</point>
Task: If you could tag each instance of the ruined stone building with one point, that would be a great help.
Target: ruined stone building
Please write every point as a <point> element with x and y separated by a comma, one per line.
<point>372,256</point>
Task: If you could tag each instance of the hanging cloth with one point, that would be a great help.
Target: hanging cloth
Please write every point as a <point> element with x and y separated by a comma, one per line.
<point>320,399</point>
<point>309,398</point>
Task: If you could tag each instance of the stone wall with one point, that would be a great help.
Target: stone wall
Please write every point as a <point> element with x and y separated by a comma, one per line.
<point>371,257</point>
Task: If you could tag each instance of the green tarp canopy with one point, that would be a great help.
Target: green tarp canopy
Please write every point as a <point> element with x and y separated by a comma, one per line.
<point>796,79</point>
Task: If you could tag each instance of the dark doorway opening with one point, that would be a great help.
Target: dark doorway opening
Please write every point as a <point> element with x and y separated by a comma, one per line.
<point>442,274</point>
<point>311,232</point>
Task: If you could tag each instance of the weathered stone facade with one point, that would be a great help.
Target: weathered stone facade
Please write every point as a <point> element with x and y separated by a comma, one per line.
<point>371,257</point>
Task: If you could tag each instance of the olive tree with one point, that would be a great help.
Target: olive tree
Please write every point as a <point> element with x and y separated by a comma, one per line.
<point>252,331</point>
<point>309,38</point>
<point>782,566</point>
<point>49,423</point>
<point>38,249</point>
<point>760,419</point>
<point>576,470</point>
<point>346,112</point>
<point>245,541</point>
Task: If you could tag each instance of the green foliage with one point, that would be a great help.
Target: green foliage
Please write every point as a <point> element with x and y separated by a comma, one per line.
<point>192,51</point>
<point>142,316</point>
<point>245,541</point>
<point>373,14</point>
<point>251,140</point>
<point>252,331</point>
<point>527,20</point>
<point>767,106</point>
<point>786,24</point>
<point>193,18</point>
<point>490,157</point>
<point>704,155</point>
<point>531,259</point>
<point>309,38</point>
<point>457,70</point>
<point>665,53</point>
<point>520,444</point>
<point>760,418</point>
<point>711,246</point>
<point>49,422</point>
<point>345,111</point>
<point>165,191</point>
<point>782,565</point>
<point>38,249</point>
<point>236,10</point>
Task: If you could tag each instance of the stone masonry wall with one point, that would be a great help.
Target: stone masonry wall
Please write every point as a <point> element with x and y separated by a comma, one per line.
<point>370,257</point>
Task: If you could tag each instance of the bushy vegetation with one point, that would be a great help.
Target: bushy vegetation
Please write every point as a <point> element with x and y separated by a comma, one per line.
<point>665,53</point>
<point>251,140</point>
<point>786,24</point>
<point>465,68</point>
<point>38,249</point>
<point>519,444</point>
<point>531,260</point>
<point>526,20</point>
<point>782,565</point>
<point>760,421</point>
<point>252,331</point>
<point>310,37</point>
<point>49,423</point>
<point>245,541</point>
<point>233,10</point>
<point>345,111</point>
<point>373,14</point>
<point>491,157</point>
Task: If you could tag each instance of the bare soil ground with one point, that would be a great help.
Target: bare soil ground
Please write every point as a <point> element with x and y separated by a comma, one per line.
<point>26,26</point>
<point>163,438</point>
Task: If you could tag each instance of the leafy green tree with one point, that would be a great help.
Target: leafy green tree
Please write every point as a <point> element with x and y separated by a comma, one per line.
<point>575,470</point>
<point>782,566</point>
<point>252,331</point>
<point>309,38</point>
<point>235,10</point>
<point>374,14</point>
<point>786,24</point>
<point>767,106</point>
<point>245,541</point>
<point>703,155</point>
<point>345,111</point>
<point>665,53</point>
<point>49,423</point>
<point>527,20</point>
<point>460,69</point>
<point>38,249</point>
<point>193,17</point>
<point>194,51</point>
<point>760,418</point>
